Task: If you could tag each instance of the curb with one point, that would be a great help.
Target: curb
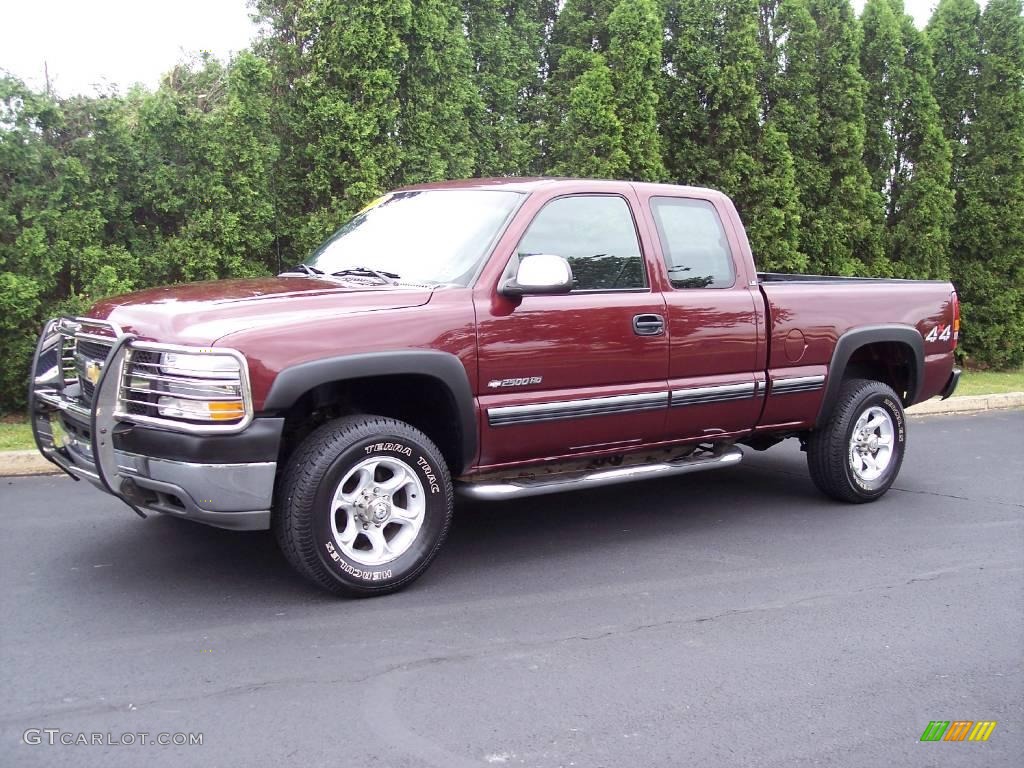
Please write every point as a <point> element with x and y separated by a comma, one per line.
<point>18,463</point>
<point>15,463</point>
<point>968,404</point>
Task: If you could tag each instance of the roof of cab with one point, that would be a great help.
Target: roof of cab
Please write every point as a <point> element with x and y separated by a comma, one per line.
<point>511,183</point>
<point>533,183</point>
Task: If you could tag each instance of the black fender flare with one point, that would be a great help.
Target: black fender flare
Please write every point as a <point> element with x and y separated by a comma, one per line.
<point>853,340</point>
<point>291,383</point>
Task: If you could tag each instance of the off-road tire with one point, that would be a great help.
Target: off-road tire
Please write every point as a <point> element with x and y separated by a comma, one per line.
<point>829,447</point>
<point>302,514</point>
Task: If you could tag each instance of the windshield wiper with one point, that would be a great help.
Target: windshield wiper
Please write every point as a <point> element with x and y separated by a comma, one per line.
<point>304,269</point>
<point>385,277</point>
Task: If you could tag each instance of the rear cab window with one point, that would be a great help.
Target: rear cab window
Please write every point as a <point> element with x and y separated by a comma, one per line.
<point>694,243</point>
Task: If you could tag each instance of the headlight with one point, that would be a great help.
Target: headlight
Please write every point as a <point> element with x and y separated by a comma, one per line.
<point>195,390</point>
<point>200,410</point>
<point>210,365</point>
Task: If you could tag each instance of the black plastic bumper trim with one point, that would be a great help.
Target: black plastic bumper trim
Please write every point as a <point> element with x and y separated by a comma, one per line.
<point>259,442</point>
<point>950,388</point>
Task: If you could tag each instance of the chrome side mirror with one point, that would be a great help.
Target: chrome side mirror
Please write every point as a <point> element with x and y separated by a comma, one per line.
<point>541,273</point>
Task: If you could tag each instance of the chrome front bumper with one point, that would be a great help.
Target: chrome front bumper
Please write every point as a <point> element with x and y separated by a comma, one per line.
<point>80,439</point>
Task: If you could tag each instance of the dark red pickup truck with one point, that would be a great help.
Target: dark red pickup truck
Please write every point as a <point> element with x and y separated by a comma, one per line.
<point>498,338</point>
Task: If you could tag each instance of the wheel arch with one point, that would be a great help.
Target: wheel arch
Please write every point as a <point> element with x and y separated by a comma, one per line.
<point>892,354</point>
<point>433,375</point>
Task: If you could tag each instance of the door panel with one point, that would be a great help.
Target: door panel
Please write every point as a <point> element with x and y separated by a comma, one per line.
<point>582,347</point>
<point>712,359</point>
<point>713,322</point>
<point>586,371</point>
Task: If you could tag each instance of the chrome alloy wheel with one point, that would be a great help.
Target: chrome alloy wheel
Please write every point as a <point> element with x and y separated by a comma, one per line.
<point>377,510</point>
<point>871,444</point>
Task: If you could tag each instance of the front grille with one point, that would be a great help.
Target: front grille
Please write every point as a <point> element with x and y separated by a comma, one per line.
<point>68,365</point>
<point>158,384</point>
<point>93,350</point>
<point>87,352</point>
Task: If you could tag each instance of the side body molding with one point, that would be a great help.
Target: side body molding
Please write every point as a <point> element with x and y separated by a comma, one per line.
<point>291,383</point>
<point>853,340</point>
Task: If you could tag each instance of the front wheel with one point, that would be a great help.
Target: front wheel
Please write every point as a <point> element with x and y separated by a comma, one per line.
<point>364,505</point>
<point>856,456</point>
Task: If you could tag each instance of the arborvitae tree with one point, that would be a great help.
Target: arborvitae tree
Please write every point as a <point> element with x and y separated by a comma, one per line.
<point>580,24</point>
<point>634,56</point>
<point>713,103</point>
<point>773,206</point>
<point>718,106</point>
<point>789,102</point>
<point>771,34</point>
<point>578,30</point>
<point>587,139</point>
<point>438,96</point>
<point>348,106</point>
<point>688,86</point>
<point>988,251</point>
<point>882,65</point>
<point>790,90</point>
<point>956,48</point>
<point>506,39</point>
<point>905,151</point>
<point>290,27</point>
<point>227,164</point>
<point>820,106</point>
<point>921,202</point>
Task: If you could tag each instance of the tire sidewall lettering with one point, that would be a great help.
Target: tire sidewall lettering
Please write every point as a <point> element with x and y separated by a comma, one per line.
<point>388,447</point>
<point>428,472</point>
<point>425,468</point>
<point>351,570</point>
<point>896,411</point>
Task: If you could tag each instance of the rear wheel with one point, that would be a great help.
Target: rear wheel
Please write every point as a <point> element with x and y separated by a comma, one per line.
<point>857,455</point>
<point>365,504</point>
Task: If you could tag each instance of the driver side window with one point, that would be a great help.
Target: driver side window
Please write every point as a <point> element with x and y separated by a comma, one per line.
<point>596,235</point>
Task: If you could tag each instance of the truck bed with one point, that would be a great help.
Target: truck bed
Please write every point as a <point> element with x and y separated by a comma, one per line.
<point>808,315</point>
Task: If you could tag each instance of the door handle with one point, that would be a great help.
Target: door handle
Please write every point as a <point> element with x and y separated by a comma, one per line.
<point>648,325</point>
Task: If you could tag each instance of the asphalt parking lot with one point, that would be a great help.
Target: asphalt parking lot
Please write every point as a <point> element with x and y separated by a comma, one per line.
<point>732,618</point>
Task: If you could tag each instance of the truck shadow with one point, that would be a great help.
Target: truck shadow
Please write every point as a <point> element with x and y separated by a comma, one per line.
<point>587,524</point>
<point>165,555</point>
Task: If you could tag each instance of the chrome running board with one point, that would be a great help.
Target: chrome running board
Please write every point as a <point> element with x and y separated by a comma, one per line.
<point>522,487</point>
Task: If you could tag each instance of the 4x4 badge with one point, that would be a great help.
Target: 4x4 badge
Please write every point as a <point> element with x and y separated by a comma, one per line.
<point>523,382</point>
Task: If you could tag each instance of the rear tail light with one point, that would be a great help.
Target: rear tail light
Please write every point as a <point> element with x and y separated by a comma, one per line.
<point>956,318</point>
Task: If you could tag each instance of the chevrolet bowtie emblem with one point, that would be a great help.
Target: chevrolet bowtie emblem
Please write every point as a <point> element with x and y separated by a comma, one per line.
<point>92,371</point>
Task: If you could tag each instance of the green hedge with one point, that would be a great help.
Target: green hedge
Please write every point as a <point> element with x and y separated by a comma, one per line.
<point>851,146</point>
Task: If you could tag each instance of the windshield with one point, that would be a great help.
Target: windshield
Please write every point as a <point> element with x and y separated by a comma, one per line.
<point>429,236</point>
